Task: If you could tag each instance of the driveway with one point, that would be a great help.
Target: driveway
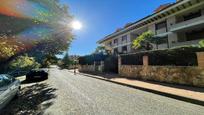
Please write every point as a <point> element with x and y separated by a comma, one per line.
<point>67,94</point>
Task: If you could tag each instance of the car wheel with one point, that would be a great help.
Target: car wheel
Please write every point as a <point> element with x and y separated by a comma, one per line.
<point>45,76</point>
<point>17,94</point>
<point>28,78</point>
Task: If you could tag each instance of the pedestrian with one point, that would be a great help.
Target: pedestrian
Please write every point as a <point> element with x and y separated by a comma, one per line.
<point>75,68</point>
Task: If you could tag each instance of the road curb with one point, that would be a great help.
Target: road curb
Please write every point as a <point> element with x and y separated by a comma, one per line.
<point>178,97</point>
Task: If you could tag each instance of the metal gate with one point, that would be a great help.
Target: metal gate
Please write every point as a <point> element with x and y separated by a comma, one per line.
<point>111,64</point>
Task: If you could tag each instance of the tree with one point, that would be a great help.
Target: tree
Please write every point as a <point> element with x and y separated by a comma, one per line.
<point>53,39</point>
<point>101,49</point>
<point>23,63</point>
<point>66,61</point>
<point>5,51</point>
<point>49,60</point>
<point>9,47</point>
<point>144,41</point>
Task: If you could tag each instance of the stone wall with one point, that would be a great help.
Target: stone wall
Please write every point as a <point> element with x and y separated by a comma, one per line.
<point>91,68</point>
<point>171,74</point>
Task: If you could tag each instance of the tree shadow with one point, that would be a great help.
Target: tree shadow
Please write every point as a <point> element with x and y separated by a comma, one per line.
<point>33,81</point>
<point>33,99</point>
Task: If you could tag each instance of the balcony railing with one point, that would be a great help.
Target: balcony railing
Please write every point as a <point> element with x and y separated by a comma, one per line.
<point>193,42</point>
<point>162,46</point>
<point>161,31</point>
<point>187,24</point>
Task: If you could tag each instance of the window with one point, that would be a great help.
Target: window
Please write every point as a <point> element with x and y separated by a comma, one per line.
<point>4,81</point>
<point>124,38</point>
<point>161,25</point>
<point>110,43</point>
<point>192,15</point>
<point>195,35</point>
<point>162,40</point>
<point>116,41</point>
<point>124,49</point>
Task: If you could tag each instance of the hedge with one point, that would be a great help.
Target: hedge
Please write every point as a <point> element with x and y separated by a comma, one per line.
<point>90,59</point>
<point>182,56</point>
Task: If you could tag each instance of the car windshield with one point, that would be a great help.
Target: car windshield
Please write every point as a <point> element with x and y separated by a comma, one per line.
<point>5,80</point>
<point>1,81</point>
<point>7,77</point>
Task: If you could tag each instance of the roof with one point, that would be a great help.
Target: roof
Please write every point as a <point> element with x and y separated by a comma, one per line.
<point>161,7</point>
<point>142,22</point>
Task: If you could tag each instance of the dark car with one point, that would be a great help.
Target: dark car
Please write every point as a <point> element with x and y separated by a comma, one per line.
<point>37,74</point>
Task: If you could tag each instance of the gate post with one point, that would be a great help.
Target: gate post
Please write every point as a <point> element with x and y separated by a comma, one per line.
<point>119,64</point>
<point>102,66</point>
<point>145,60</point>
<point>94,69</point>
<point>200,59</point>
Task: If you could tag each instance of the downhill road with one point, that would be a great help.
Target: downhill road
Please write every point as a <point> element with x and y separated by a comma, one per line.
<point>67,94</point>
<point>81,95</point>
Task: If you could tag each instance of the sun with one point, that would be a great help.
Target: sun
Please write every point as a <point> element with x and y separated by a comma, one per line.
<point>76,25</point>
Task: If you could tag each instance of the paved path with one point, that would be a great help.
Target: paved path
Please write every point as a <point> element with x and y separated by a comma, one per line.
<point>81,95</point>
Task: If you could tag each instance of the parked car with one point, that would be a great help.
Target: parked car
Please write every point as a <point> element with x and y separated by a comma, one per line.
<point>37,74</point>
<point>9,88</point>
<point>17,73</point>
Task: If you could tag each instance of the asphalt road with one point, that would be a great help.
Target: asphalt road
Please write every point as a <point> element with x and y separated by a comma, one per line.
<point>67,94</point>
<point>81,95</point>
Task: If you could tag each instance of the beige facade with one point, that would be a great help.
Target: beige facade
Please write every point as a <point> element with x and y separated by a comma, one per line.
<point>181,23</point>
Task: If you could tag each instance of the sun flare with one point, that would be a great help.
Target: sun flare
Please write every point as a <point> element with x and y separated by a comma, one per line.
<point>76,25</point>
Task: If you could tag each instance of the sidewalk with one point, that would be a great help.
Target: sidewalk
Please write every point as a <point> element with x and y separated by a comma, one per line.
<point>185,93</point>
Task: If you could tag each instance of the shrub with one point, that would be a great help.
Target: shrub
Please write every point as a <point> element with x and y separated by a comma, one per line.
<point>201,43</point>
<point>23,63</point>
<point>89,59</point>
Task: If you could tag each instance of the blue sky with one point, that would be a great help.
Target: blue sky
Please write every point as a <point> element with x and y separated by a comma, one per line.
<point>103,17</point>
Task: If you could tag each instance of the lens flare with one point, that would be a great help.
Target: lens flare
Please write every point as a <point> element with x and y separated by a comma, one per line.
<point>36,33</point>
<point>24,9</point>
<point>34,21</point>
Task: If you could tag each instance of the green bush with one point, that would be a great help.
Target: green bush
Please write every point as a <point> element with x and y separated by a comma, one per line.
<point>182,56</point>
<point>201,43</point>
<point>24,63</point>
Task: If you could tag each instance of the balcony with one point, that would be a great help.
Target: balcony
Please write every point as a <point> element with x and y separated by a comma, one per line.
<point>120,45</point>
<point>196,22</point>
<point>161,31</point>
<point>162,46</point>
<point>193,42</point>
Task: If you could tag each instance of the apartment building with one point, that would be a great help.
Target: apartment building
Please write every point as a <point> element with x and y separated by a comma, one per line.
<point>177,24</point>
